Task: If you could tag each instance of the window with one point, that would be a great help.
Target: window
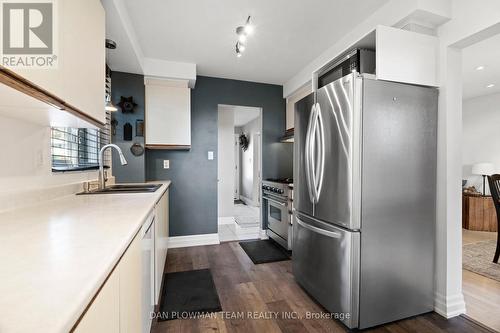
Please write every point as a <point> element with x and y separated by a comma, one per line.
<point>78,148</point>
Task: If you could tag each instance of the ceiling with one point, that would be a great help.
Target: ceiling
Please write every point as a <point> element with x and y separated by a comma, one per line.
<point>244,115</point>
<point>487,54</point>
<point>288,33</point>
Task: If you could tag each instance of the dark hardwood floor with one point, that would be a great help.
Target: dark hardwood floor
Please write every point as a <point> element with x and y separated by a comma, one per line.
<point>245,287</point>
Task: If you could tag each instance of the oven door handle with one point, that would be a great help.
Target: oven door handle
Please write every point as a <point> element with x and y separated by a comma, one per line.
<point>275,201</point>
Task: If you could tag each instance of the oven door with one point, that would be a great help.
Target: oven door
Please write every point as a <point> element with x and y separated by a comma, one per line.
<point>277,216</point>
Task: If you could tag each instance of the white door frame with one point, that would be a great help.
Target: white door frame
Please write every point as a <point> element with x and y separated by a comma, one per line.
<point>258,179</point>
<point>237,172</point>
<point>458,33</point>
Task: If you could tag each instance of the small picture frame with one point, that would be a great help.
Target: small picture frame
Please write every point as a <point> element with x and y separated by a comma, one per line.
<point>139,127</point>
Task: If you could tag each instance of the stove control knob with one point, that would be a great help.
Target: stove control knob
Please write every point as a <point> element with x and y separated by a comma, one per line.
<point>281,191</point>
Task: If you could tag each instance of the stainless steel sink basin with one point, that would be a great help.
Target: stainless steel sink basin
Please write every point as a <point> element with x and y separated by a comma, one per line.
<point>125,188</point>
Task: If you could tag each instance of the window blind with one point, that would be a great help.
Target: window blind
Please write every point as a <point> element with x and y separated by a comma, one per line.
<point>78,148</point>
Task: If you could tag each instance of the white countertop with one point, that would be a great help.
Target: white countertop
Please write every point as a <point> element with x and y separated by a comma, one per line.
<point>54,256</point>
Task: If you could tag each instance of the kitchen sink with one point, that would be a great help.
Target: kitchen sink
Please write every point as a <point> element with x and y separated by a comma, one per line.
<point>125,188</point>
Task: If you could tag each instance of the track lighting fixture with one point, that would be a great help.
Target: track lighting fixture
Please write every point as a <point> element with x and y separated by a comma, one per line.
<point>243,32</point>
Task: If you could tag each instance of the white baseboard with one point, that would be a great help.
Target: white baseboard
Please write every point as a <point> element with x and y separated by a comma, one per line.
<point>193,240</point>
<point>263,234</point>
<point>248,201</point>
<point>225,220</point>
<point>450,306</point>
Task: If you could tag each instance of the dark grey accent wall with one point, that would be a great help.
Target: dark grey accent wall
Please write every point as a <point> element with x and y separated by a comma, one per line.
<point>193,196</point>
<point>126,84</point>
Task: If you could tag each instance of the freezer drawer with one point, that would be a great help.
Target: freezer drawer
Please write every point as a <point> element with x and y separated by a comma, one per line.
<point>326,264</point>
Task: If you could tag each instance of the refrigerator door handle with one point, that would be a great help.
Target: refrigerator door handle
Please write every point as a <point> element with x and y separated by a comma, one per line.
<point>308,153</point>
<point>331,234</point>
<point>321,152</point>
<point>314,154</point>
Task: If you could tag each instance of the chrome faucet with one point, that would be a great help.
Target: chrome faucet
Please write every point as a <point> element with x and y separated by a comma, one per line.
<point>123,161</point>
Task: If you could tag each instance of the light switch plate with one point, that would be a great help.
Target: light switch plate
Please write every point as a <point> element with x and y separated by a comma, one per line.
<point>166,164</point>
<point>210,155</point>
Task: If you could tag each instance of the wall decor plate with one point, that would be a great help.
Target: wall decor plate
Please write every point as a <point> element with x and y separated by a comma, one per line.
<point>137,149</point>
<point>127,104</point>
<point>139,127</point>
<point>127,132</point>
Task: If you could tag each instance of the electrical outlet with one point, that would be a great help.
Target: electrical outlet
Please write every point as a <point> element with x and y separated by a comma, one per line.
<point>210,155</point>
<point>166,164</point>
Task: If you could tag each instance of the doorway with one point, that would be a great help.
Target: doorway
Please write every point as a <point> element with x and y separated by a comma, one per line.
<point>480,156</point>
<point>239,172</point>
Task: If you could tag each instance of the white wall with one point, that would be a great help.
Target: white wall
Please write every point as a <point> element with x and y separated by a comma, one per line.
<point>225,161</point>
<point>26,158</point>
<point>249,162</point>
<point>481,136</point>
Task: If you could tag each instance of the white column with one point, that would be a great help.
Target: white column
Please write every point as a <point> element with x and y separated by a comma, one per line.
<point>449,300</point>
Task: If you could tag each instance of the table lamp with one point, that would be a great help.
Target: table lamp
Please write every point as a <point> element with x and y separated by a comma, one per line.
<point>483,169</point>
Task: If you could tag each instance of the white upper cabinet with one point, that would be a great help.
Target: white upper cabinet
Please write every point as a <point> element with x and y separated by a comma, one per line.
<point>83,56</point>
<point>406,56</point>
<point>168,114</point>
<point>400,56</point>
<point>79,43</point>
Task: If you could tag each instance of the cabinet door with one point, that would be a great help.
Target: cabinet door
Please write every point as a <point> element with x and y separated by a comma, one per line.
<point>48,78</point>
<point>130,270</point>
<point>161,242</point>
<point>79,78</point>
<point>83,57</point>
<point>103,316</point>
<point>406,56</point>
<point>168,114</point>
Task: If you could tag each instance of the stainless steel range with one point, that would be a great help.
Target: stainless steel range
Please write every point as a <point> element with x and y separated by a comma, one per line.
<point>277,196</point>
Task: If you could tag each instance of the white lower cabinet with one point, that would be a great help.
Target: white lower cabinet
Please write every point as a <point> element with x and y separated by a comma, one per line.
<point>161,241</point>
<point>121,304</point>
<point>104,313</point>
<point>118,305</point>
<point>131,288</point>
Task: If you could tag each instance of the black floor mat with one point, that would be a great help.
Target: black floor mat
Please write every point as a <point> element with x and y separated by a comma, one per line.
<point>189,293</point>
<point>264,251</point>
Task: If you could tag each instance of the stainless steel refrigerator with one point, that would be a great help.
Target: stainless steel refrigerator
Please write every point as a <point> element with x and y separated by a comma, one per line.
<point>365,193</point>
